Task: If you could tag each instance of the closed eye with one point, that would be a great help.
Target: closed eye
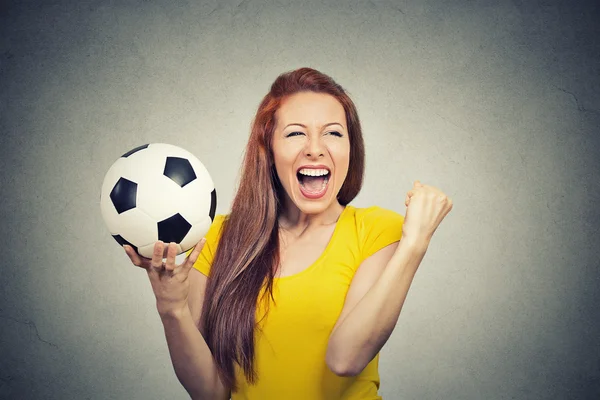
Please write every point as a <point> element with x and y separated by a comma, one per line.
<point>334,133</point>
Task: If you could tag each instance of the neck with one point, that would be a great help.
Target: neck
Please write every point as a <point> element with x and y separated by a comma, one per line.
<point>294,219</point>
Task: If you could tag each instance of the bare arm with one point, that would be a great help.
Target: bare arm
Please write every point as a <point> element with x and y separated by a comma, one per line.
<point>373,306</point>
<point>381,283</point>
<point>179,291</point>
<point>192,359</point>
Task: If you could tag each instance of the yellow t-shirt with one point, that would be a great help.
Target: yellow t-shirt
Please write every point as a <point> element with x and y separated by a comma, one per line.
<point>290,351</point>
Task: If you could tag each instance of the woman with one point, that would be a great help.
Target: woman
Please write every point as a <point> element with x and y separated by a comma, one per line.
<point>304,288</point>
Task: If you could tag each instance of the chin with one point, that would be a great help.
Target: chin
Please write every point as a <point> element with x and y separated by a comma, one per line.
<point>318,206</point>
<point>312,208</point>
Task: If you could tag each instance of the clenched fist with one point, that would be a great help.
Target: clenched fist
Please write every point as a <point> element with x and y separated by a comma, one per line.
<point>426,207</point>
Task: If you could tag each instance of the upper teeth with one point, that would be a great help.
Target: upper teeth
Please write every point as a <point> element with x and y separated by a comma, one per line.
<point>313,172</point>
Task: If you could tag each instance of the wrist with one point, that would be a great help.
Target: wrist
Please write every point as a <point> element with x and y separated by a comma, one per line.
<point>173,313</point>
<point>414,243</point>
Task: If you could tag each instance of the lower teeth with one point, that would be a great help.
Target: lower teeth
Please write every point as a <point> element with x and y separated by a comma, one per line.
<point>317,191</point>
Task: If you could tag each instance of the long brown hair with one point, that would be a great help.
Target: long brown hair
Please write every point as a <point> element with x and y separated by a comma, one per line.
<point>248,250</point>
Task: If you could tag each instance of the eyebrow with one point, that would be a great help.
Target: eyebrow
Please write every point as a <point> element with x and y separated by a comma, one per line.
<point>324,126</point>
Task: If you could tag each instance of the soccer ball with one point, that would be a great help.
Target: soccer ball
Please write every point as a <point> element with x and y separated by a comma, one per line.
<point>158,192</point>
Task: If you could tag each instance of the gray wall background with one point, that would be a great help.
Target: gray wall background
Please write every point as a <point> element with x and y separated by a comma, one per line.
<point>495,102</point>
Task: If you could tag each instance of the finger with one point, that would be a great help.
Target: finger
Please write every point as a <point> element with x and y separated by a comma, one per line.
<point>171,253</point>
<point>191,259</point>
<point>157,255</point>
<point>135,258</point>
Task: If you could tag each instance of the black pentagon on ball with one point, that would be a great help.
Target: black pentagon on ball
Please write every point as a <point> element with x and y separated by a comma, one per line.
<point>173,229</point>
<point>213,204</point>
<point>130,152</point>
<point>179,170</point>
<point>122,241</point>
<point>123,195</point>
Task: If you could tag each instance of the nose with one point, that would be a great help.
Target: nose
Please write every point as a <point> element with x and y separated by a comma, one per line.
<point>314,148</point>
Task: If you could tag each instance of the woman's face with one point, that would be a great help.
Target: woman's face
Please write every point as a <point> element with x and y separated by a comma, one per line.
<point>311,149</point>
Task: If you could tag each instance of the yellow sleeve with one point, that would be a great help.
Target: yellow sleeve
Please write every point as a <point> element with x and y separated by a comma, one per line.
<point>205,259</point>
<point>379,228</point>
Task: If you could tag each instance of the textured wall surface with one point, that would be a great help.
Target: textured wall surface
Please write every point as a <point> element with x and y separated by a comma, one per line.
<point>495,102</point>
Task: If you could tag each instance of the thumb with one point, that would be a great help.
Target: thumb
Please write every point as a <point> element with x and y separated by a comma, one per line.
<point>191,259</point>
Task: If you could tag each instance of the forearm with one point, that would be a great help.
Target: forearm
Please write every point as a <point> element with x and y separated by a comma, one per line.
<point>364,331</point>
<point>192,359</point>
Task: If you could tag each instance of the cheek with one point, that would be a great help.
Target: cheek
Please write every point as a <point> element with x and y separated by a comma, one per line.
<point>287,151</point>
<point>340,152</point>
<point>342,173</point>
<point>283,165</point>
<point>342,163</point>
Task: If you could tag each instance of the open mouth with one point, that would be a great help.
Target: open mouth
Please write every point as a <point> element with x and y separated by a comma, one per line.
<point>313,184</point>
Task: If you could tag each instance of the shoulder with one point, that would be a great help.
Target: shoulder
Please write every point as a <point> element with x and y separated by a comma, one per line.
<point>375,216</point>
<point>376,228</point>
<point>205,259</point>
<point>217,225</point>
<point>214,232</point>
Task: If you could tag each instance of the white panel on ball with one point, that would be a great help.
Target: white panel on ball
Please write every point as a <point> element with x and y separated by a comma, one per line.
<point>138,228</point>
<point>146,162</point>
<point>195,201</point>
<point>159,196</point>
